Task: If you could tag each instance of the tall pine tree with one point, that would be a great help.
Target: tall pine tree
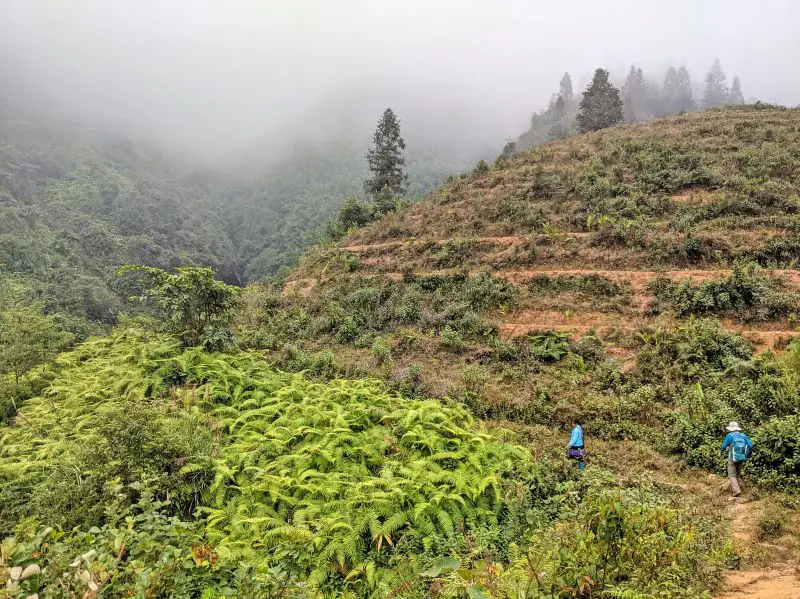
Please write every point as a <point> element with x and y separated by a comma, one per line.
<point>716,90</point>
<point>736,96</point>
<point>636,97</point>
<point>559,128</point>
<point>601,105</point>
<point>565,89</point>
<point>386,162</point>
<point>684,97</point>
<point>676,95</point>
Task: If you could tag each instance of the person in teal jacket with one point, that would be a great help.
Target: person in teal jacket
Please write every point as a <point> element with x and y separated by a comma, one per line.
<point>738,447</point>
<point>575,447</point>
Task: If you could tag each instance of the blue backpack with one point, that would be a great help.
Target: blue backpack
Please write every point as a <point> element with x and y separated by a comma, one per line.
<point>739,450</point>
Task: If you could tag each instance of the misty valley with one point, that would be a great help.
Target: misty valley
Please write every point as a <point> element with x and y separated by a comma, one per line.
<point>287,342</point>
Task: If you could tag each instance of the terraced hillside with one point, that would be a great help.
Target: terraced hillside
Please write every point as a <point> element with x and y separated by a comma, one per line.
<point>642,280</point>
<point>598,232</point>
<point>510,287</point>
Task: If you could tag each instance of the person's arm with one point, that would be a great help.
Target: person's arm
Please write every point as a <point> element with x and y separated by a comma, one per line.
<point>749,443</point>
<point>725,444</point>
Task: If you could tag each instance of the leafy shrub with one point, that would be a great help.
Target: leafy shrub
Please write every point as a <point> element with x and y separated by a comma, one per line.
<point>770,523</point>
<point>589,285</point>
<point>381,351</point>
<point>353,213</point>
<point>696,350</point>
<point>613,543</point>
<point>746,293</point>
<point>776,456</point>
<point>610,232</point>
<point>550,347</point>
<point>195,305</point>
<point>453,252</point>
<point>481,168</point>
<point>641,166</point>
<point>141,551</point>
<point>122,430</point>
<point>350,262</point>
<point>304,479</point>
<point>451,339</point>
<point>778,252</point>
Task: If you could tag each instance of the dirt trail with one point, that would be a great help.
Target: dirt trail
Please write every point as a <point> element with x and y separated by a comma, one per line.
<point>780,579</point>
<point>498,240</point>
<point>762,584</point>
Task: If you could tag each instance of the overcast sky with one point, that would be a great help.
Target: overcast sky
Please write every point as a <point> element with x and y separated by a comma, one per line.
<point>218,74</point>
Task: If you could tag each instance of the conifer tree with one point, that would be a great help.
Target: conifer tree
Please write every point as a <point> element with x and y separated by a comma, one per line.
<point>716,90</point>
<point>684,96</point>
<point>676,95</point>
<point>601,105</point>
<point>636,97</point>
<point>736,96</point>
<point>386,161</point>
<point>559,128</point>
<point>565,88</point>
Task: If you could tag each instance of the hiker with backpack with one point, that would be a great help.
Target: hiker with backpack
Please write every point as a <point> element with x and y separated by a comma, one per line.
<point>739,448</point>
<point>575,448</point>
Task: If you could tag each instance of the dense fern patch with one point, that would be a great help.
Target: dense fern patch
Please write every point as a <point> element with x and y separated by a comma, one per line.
<point>147,469</point>
<point>328,483</point>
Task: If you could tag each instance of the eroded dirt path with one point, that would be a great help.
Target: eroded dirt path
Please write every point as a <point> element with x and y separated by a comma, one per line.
<point>778,578</point>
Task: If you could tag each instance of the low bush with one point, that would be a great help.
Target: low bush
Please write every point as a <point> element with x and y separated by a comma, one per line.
<point>451,339</point>
<point>746,294</point>
<point>589,285</point>
<point>771,522</point>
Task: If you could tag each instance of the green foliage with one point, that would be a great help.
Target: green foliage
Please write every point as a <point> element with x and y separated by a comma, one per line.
<point>639,167</point>
<point>334,485</point>
<point>601,105</point>
<point>588,285</point>
<point>28,338</point>
<point>360,306</point>
<point>550,347</point>
<point>694,351</point>
<point>451,339</point>
<point>608,543</point>
<point>771,522</point>
<point>776,464</point>
<point>386,161</point>
<point>746,294</point>
<point>481,168</point>
<point>195,305</point>
<point>353,213</point>
<point>141,551</point>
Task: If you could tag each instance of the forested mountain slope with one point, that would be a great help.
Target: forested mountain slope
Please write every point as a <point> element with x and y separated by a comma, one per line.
<point>76,203</point>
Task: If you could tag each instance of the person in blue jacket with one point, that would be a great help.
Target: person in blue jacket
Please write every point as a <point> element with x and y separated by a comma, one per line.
<point>738,447</point>
<point>575,447</point>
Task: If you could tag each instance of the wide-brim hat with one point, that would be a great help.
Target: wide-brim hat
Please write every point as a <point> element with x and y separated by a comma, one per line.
<point>733,427</point>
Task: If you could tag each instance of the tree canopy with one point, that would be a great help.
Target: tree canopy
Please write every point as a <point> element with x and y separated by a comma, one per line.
<point>386,161</point>
<point>601,105</point>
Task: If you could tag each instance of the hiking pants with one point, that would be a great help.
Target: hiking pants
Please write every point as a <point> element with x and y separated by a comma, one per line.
<point>735,476</point>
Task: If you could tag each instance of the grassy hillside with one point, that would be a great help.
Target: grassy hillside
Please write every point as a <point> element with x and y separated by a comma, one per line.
<point>641,279</point>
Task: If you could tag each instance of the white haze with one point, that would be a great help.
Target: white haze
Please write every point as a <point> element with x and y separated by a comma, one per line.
<point>215,76</point>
